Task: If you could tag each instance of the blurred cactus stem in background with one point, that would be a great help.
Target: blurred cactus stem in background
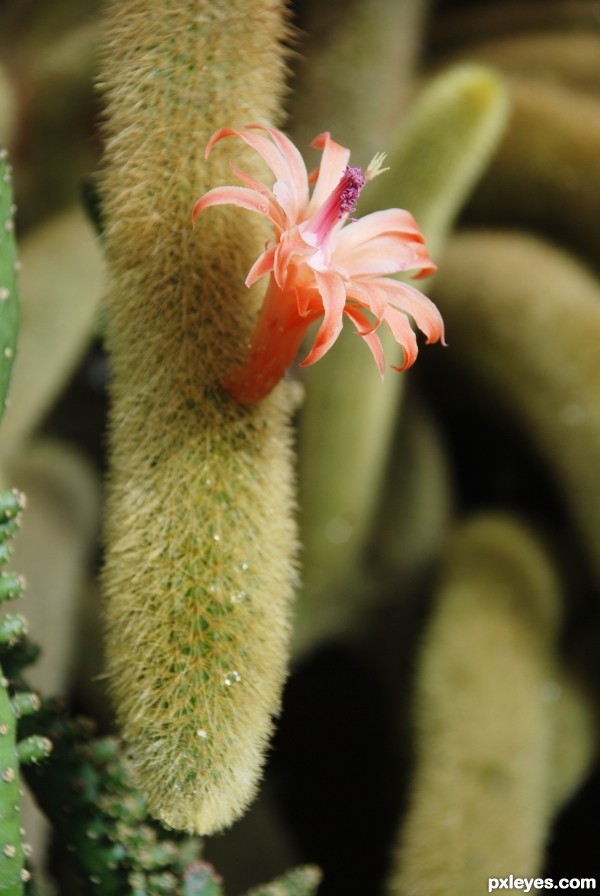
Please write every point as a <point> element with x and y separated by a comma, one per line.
<point>200,536</point>
<point>484,790</point>
<point>536,312</point>
<point>349,416</point>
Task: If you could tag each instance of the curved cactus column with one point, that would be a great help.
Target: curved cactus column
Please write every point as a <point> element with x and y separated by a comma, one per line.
<point>201,539</point>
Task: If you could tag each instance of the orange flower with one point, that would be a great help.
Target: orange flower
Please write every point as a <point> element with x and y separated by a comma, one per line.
<point>319,265</point>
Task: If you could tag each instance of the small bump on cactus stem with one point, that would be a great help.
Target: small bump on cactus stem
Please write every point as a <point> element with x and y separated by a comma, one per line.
<point>23,704</point>
<point>11,586</point>
<point>12,628</point>
<point>12,502</point>
<point>5,553</point>
<point>33,749</point>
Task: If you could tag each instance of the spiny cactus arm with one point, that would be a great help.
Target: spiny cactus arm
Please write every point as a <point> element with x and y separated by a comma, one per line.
<point>9,300</point>
<point>301,881</point>
<point>201,497</point>
<point>12,860</point>
<point>13,752</point>
<point>85,791</point>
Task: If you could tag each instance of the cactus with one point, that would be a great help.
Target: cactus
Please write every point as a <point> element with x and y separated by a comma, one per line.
<point>302,881</point>
<point>201,489</point>
<point>484,734</point>
<point>352,53</point>
<point>9,300</point>
<point>525,321</point>
<point>60,287</point>
<point>85,791</point>
<point>442,149</point>
<point>14,752</point>
<point>545,175</point>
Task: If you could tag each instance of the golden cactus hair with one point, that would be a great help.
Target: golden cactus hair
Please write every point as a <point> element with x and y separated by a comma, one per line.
<point>200,535</point>
<point>484,730</point>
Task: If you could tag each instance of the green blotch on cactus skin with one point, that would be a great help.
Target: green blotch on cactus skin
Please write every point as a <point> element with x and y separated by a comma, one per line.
<point>9,301</point>
<point>201,879</point>
<point>301,881</point>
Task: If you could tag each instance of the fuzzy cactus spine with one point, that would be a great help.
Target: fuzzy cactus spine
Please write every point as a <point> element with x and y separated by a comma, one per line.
<point>200,537</point>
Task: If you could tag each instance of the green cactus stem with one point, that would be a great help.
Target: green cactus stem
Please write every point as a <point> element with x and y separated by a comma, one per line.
<point>12,860</point>
<point>85,790</point>
<point>358,56</point>
<point>60,285</point>
<point>9,300</point>
<point>301,881</point>
<point>348,418</point>
<point>201,879</point>
<point>13,752</point>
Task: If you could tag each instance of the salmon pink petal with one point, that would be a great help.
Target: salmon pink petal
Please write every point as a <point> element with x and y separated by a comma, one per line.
<point>390,221</point>
<point>241,196</point>
<point>293,160</point>
<point>369,296</point>
<point>333,164</point>
<point>333,295</point>
<point>251,182</point>
<point>274,159</point>
<point>263,265</point>
<point>403,334</point>
<point>409,300</point>
<point>388,253</point>
<point>425,265</point>
<point>365,331</point>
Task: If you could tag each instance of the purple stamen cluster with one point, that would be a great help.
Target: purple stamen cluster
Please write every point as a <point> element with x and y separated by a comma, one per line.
<point>352,183</point>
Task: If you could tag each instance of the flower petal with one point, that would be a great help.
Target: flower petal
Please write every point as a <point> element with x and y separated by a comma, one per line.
<point>402,332</point>
<point>390,220</point>
<point>293,160</point>
<point>409,300</point>
<point>333,164</point>
<point>365,331</point>
<point>263,265</point>
<point>241,196</point>
<point>282,157</point>
<point>385,254</point>
<point>333,294</point>
<point>370,296</point>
